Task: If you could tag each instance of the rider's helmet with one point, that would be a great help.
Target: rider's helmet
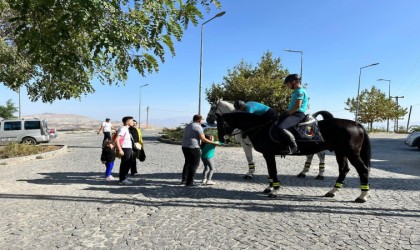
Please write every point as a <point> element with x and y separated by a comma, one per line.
<point>239,104</point>
<point>291,77</point>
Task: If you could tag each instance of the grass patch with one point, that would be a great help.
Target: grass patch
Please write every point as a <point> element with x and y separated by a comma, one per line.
<point>17,150</point>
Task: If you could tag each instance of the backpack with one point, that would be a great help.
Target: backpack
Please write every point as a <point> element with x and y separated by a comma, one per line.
<point>114,139</point>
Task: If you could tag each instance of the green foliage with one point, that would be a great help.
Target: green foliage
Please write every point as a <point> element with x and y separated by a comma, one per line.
<point>6,112</point>
<point>374,106</point>
<point>263,83</point>
<point>55,48</point>
<point>173,134</point>
<point>16,150</point>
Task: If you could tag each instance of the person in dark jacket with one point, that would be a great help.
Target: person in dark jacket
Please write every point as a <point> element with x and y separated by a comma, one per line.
<point>108,158</point>
<point>136,138</point>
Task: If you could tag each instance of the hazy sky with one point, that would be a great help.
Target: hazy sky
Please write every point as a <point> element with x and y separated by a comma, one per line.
<point>337,39</point>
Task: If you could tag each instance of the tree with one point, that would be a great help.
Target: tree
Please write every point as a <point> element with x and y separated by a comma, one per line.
<point>6,112</point>
<point>374,106</point>
<point>55,48</point>
<point>263,83</point>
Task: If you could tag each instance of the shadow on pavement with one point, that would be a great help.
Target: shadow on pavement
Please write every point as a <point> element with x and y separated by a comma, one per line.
<point>171,179</point>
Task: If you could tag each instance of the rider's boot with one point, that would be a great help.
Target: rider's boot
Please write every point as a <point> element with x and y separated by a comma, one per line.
<point>291,139</point>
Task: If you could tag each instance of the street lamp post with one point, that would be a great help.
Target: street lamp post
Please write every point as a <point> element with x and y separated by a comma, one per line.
<point>201,57</point>
<point>301,60</point>
<point>20,107</point>
<point>358,89</point>
<point>389,97</point>
<point>141,86</point>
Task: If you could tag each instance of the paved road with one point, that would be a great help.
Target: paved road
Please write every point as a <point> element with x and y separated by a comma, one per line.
<point>64,202</point>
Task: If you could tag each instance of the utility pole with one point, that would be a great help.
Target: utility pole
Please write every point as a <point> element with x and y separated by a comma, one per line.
<point>409,115</point>
<point>396,118</point>
<point>147,116</point>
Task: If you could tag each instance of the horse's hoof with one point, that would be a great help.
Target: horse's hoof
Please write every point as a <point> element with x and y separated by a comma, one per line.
<point>271,195</point>
<point>248,177</point>
<point>319,177</point>
<point>329,195</point>
<point>360,200</point>
<point>301,175</point>
<point>267,190</point>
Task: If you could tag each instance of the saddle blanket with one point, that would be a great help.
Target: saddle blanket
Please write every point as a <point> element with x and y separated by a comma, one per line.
<point>308,132</point>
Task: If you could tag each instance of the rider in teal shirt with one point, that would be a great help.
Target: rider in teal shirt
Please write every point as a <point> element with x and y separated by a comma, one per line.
<point>295,112</point>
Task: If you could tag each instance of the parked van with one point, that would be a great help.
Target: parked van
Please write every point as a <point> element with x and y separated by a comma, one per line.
<point>30,131</point>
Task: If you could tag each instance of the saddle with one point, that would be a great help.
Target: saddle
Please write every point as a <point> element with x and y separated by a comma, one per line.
<point>306,130</point>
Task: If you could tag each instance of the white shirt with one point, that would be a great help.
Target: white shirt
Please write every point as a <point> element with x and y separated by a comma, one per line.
<point>106,126</point>
<point>123,132</point>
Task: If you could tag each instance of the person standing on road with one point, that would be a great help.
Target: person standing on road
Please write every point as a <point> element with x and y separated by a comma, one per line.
<point>136,134</point>
<point>124,145</point>
<point>107,128</point>
<point>193,135</point>
<point>108,158</point>
<point>207,154</point>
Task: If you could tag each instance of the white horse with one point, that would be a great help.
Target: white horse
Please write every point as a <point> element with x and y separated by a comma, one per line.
<point>221,107</point>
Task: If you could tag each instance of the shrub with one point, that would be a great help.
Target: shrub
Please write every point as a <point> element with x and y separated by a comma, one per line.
<point>16,150</point>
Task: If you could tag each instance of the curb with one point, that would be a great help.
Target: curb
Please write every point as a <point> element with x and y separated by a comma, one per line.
<point>169,141</point>
<point>40,156</point>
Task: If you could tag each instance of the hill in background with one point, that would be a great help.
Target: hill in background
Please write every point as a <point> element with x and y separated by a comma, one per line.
<point>67,121</point>
<point>78,122</point>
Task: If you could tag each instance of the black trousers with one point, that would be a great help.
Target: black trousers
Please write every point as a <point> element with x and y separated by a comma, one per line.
<point>192,161</point>
<point>133,166</point>
<point>126,162</point>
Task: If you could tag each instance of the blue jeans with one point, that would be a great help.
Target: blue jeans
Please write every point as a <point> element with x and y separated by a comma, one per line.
<point>109,166</point>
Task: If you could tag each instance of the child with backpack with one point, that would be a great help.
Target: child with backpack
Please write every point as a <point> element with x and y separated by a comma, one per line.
<point>108,158</point>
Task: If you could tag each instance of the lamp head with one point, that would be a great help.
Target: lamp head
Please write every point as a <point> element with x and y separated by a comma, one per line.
<point>220,14</point>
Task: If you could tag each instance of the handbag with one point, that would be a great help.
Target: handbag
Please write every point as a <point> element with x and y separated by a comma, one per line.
<point>142,155</point>
<point>137,146</point>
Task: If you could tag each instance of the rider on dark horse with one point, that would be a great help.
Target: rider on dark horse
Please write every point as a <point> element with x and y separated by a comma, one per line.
<point>295,112</point>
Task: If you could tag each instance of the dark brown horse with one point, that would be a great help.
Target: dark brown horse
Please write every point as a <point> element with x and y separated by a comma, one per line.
<point>348,139</point>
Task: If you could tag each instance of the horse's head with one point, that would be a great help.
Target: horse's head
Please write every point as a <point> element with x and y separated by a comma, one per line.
<point>224,131</point>
<point>211,116</point>
<point>218,108</point>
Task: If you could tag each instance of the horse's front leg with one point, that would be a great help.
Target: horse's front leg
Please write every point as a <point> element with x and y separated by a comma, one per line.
<point>343,168</point>
<point>274,186</point>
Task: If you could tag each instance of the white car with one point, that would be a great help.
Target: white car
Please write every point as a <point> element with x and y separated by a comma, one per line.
<point>413,140</point>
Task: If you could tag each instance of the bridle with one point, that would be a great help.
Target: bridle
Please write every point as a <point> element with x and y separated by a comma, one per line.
<point>213,111</point>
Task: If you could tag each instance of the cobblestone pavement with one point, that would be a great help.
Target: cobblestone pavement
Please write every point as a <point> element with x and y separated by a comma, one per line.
<point>64,202</point>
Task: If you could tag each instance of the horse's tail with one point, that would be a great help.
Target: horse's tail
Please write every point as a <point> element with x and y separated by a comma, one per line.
<point>365,152</point>
<point>325,114</point>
